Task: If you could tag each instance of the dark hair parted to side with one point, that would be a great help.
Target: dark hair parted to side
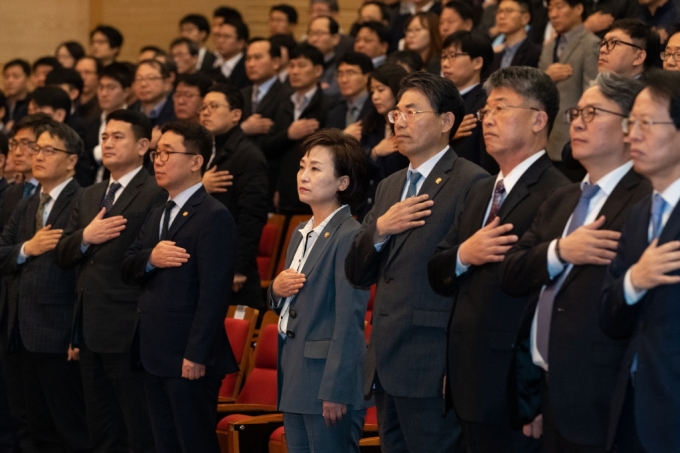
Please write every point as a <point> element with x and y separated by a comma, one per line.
<point>288,10</point>
<point>46,61</point>
<point>231,94</point>
<point>665,86</point>
<point>163,69</point>
<point>286,41</point>
<point>99,67</point>
<point>23,64</point>
<point>192,46</point>
<point>72,141</point>
<point>573,3</point>
<point>157,51</point>
<point>440,92</point>
<point>274,47</point>
<point>242,30</point>
<point>112,34</point>
<point>198,80</point>
<point>225,12</point>
<point>66,76</point>
<point>524,5</point>
<point>619,89</point>
<point>357,59</point>
<point>463,9</point>
<point>474,44</point>
<point>410,58</point>
<point>52,96</point>
<point>380,30</point>
<point>120,72</point>
<point>197,139</point>
<point>531,84</point>
<point>74,48</point>
<point>333,26</point>
<point>141,126</point>
<point>384,11</point>
<point>199,20</point>
<point>309,52</point>
<point>34,122</point>
<point>643,36</point>
<point>349,159</point>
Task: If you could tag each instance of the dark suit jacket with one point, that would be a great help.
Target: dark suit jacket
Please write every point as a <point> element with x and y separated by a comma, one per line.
<point>166,114</point>
<point>408,341</point>
<point>528,54</point>
<point>247,202</point>
<point>45,293</point>
<point>106,312</point>
<point>485,320</point>
<point>238,77</point>
<point>337,115</point>
<point>324,360</point>
<point>472,147</point>
<point>652,329</point>
<point>583,361</point>
<point>182,309</point>
<point>208,61</point>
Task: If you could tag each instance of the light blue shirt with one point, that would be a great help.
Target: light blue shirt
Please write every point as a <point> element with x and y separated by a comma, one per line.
<point>263,89</point>
<point>509,54</point>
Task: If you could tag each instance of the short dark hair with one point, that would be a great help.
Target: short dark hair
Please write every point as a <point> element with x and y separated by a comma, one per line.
<point>192,46</point>
<point>33,122</point>
<point>197,139</point>
<point>112,34</point>
<point>120,72</point>
<point>226,12</point>
<point>157,51</point>
<point>410,58</point>
<point>474,44</point>
<point>99,66</point>
<point>4,144</point>
<point>141,126</point>
<point>333,26</point>
<point>66,76</point>
<point>242,31</point>
<point>286,41</point>
<point>642,35</point>
<point>308,51</point>
<point>231,94</point>
<point>288,10</point>
<point>440,92</point>
<point>72,141</point>
<point>332,4</point>
<point>573,3</point>
<point>530,83</point>
<point>162,68</point>
<point>274,47</point>
<point>20,62</point>
<point>51,96</point>
<point>46,61</point>
<point>74,48</point>
<point>378,28</point>
<point>199,20</point>
<point>357,59</point>
<point>665,85</point>
<point>525,5</point>
<point>198,80</point>
<point>384,12</point>
<point>349,159</point>
<point>463,9</point>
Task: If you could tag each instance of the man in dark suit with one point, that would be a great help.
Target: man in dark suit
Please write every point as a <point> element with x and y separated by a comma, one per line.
<point>324,34</point>
<point>40,296</point>
<point>354,106</point>
<point>561,263</point>
<point>496,212</point>
<point>197,28</point>
<point>246,198</point>
<point>103,225</point>
<point>642,285</point>
<point>465,57</point>
<point>230,38</point>
<point>512,17</point>
<point>184,260</point>
<point>152,87</point>
<point>407,352</point>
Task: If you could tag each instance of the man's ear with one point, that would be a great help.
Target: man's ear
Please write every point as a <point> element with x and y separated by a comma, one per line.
<point>59,115</point>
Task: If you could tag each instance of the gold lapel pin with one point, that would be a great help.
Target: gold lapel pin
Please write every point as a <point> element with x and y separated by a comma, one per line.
<point>438,180</point>
<point>327,235</point>
<point>185,213</point>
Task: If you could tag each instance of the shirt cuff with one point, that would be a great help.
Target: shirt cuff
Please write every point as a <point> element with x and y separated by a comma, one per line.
<point>274,303</point>
<point>83,248</point>
<point>21,259</point>
<point>380,245</point>
<point>632,297</point>
<point>555,266</point>
<point>149,267</point>
<point>460,267</point>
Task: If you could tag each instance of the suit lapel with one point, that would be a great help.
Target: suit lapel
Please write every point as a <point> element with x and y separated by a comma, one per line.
<point>129,193</point>
<point>32,210</point>
<point>270,97</point>
<point>480,206</point>
<point>293,245</point>
<point>572,44</point>
<point>62,201</point>
<point>672,228</point>
<point>323,240</point>
<point>521,189</point>
<point>186,212</point>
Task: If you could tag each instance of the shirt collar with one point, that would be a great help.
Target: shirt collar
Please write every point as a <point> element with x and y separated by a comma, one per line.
<point>227,64</point>
<point>511,179</point>
<point>570,34</point>
<point>263,89</point>
<point>182,197</point>
<point>319,228</point>
<point>427,166</point>
<point>358,102</point>
<point>34,182</point>
<point>125,179</point>
<point>307,96</point>
<point>379,60</point>
<point>672,194</point>
<point>156,110</point>
<point>608,182</point>
<point>283,75</point>
<point>412,8</point>
<point>54,193</point>
<point>513,48</point>
<point>465,91</point>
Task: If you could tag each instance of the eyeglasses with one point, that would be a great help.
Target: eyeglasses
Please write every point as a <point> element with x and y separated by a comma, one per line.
<point>666,55</point>
<point>183,95</point>
<point>318,33</point>
<point>413,30</point>
<point>163,156</point>
<point>612,43</point>
<point>47,151</point>
<point>644,125</point>
<point>341,74</point>
<point>108,87</point>
<point>505,11</point>
<point>499,110</point>
<point>211,107</point>
<point>148,79</point>
<point>406,115</point>
<point>587,113</point>
<point>25,144</point>
<point>453,55</point>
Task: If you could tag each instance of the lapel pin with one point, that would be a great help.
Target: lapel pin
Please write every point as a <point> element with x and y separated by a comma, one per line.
<point>327,235</point>
<point>185,213</point>
<point>438,180</point>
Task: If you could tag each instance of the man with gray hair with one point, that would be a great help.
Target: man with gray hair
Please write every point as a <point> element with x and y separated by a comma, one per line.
<point>520,111</point>
<point>561,261</point>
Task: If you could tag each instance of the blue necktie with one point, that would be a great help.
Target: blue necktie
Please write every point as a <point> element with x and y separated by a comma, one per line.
<point>413,178</point>
<point>658,207</point>
<point>28,189</point>
<point>498,195</point>
<point>547,298</point>
<point>107,202</point>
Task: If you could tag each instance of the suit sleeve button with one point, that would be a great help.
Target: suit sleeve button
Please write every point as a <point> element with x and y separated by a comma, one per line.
<point>290,334</point>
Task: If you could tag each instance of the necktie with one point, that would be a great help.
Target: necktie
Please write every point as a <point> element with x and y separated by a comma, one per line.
<point>547,298</point>
<point>255,102</point>
<point>44,198</point>
<point>28,189</point>
<point>559,48</point>
<point>498,196</point>
<point>107,202</point>
<point>351,116</point>
<point>413,177</point>
<point>166,219</point>
<point>658,206</point>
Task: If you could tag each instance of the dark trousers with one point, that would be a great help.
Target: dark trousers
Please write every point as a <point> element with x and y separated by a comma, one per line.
<point>53,391</point>
<point>553,442</point>
<point>308,433</point>
<point>9,441</point>
<point>184,412</point>
<point>489,438</point>
<point>117,413</point>
<point>627,439</point>
<point>415,424</point>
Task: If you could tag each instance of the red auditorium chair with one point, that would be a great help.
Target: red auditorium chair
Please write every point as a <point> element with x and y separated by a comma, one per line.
<point>268,248</point>
<point>240,326</point>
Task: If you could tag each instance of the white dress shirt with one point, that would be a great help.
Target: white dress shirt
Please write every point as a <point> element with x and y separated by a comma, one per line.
<point>300,103</point>
<point>227,66</point>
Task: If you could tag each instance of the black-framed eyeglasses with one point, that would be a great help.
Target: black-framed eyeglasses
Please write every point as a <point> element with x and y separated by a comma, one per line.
<point>610,44</point>
<point>587,113</point>
<point>666,55</point>
<point>211,107</point>
<point>46,150</point>
<point>406,115</point>
<point>452,55</point>
<point>163,156</point>
<point>644,125</point>
<point>25,144</point>
<point>499,110</point>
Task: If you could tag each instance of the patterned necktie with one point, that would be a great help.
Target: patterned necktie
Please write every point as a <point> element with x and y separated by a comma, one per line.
<point>547,297</point>
<point>28,189</point>
<point>413,177</point>
<point>658,207</point>
<point>255,102</point>
<point>559,48</point>
<point>498,196</point>
<point>44,198</point>
<point>351,116</point>
<point>166,219</point>
<point>107,202</point>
